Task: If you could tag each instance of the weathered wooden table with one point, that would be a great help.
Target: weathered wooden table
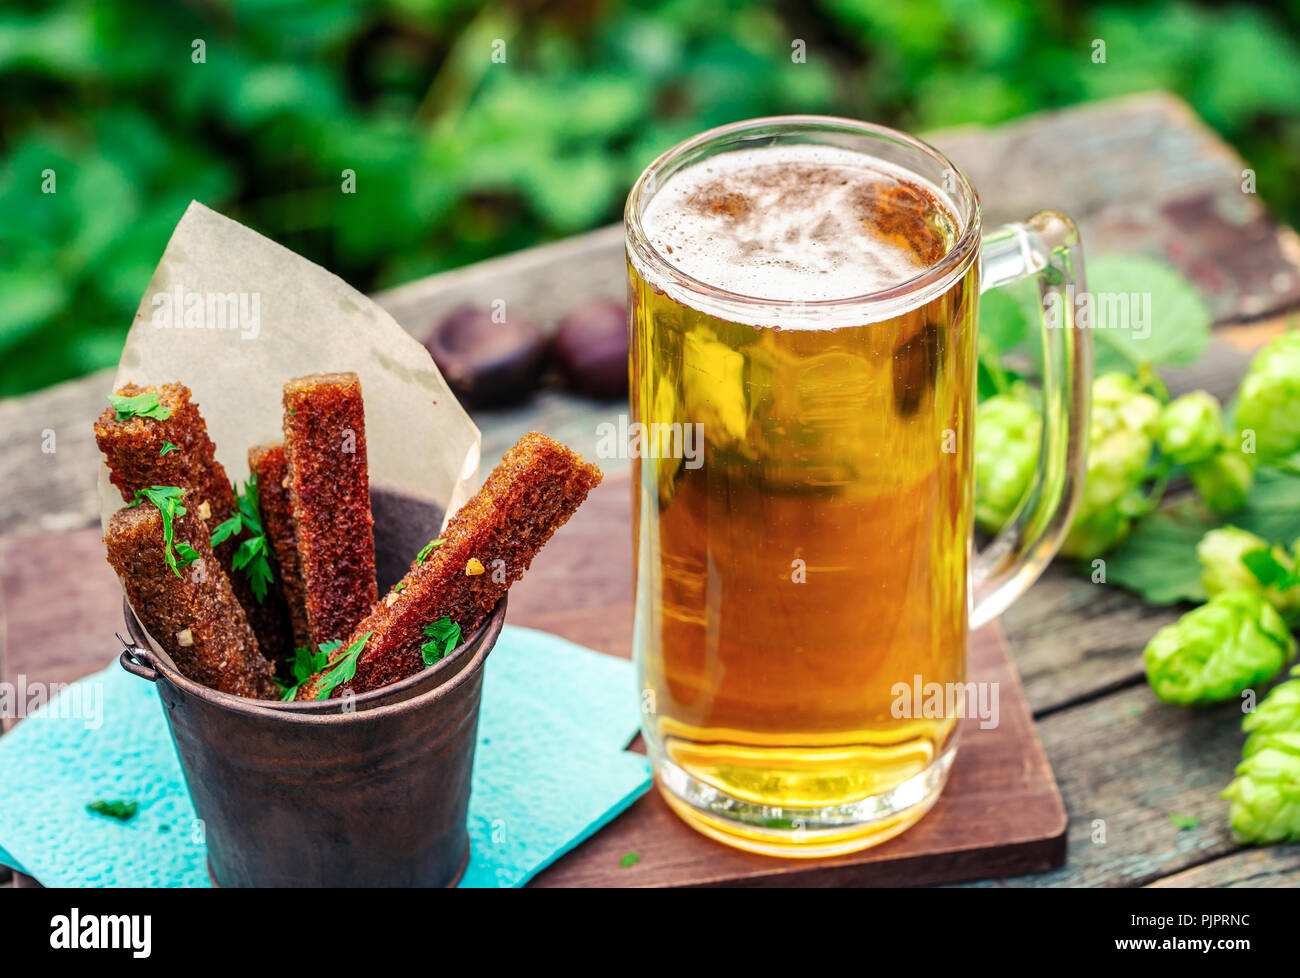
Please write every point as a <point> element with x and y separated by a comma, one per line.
<point>1140,175</point>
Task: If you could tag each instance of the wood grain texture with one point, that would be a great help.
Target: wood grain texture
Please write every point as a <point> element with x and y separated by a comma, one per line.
<point>1274,866</point>
<point>1140,175</point>
<point>1000,814</point>
<point>1125,763</point>
<point>60,604</point>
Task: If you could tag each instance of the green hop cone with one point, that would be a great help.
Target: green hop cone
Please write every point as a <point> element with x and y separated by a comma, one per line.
<point>1265,793</point>
<point>1191,428</point>
<point>1268,400</point>
<point>1123,426</point>
<point>1006,453</point>
<point>1214,652</point>
<point>1225,554</point>
<point>1223,481</point>
<point>1279,712</point>
<point>1220,553</point>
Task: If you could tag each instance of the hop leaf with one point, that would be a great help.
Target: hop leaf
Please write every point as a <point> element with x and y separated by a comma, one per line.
<point>1214,652</point>
<point>1268,397</point>
<point>1265,793</point>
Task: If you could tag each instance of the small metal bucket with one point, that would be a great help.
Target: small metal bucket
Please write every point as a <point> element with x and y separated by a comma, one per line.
<point>369,791</point>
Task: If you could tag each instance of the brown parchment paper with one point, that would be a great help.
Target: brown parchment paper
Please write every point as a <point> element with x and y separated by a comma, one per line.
<point>290,317</point>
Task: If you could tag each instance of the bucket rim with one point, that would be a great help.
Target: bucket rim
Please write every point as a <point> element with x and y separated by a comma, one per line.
<point>330,712</point>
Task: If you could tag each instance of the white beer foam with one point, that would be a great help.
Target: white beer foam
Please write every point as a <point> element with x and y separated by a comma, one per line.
<point>789,223</point>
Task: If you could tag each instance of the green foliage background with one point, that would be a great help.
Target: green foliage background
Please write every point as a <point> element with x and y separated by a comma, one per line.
<point>458,158</point>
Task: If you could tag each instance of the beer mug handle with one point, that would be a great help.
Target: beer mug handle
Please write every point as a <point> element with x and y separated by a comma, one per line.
<point>1046,246</point>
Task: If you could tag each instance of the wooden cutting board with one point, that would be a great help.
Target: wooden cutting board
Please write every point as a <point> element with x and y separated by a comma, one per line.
<point>1001,814</point>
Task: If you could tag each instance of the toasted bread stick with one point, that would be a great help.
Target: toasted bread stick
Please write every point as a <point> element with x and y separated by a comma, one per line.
<point>194,617</point>
<point>268,463</point>
<point>486,547</point>
<point>329,487</point>
<point>133,450</point>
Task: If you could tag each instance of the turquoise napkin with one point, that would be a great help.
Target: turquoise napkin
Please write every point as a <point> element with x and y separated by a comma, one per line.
<point>531,802</point>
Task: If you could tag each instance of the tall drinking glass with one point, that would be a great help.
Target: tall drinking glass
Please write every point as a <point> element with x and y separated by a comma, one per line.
<point>803,296</point>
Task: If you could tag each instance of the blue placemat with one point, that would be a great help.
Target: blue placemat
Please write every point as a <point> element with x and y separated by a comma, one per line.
<point>549,771</point>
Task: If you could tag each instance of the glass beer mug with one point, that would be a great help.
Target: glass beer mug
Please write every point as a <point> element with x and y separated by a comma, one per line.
<point>803,297</point>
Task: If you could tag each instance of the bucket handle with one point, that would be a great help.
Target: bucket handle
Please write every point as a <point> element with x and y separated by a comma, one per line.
<point>137,661</point>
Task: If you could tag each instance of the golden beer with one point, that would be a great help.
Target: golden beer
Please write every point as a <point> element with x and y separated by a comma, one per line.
<point>802,304</point>
<point>814,555</point>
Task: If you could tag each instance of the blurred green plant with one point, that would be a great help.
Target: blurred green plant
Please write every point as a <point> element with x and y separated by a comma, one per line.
<point>457,157</point>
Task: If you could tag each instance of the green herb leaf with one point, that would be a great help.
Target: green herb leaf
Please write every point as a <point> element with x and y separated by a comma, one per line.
<point>444,635</point>
<point>253,555</point>
<point>423,555</point>
<point>185,554</point>
<point>306,664</point>
<point>123,811</point>
<point>168,501</point>
<point>226,529</point>
<point>168,447</point>
<point>1184,822</point>
<point>343,667</point>
<point>139,405</point>
<point>630,859</point>
<point>399,586</point>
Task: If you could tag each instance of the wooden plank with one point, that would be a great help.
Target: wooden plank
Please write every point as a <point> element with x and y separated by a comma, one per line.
<point>1271,866</point>
<point>1125,763</point>
<point>1000,814</point>
<point>1140,175</point>
<point>60,604</point>
<point>44,490</point>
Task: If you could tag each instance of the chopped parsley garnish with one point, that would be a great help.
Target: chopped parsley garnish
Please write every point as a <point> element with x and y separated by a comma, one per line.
<point>630,859</point>
<point>444,635</point>
<point>399,586</point>
<point>423,555</point>
<point>1184,822</point>
<point>168,447</point>
<point>306,664</point>
<point>343,667</point>
<point>253,555</point>
<point>168,501</point>
<point>138,406</point>
<point>123,811</point>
